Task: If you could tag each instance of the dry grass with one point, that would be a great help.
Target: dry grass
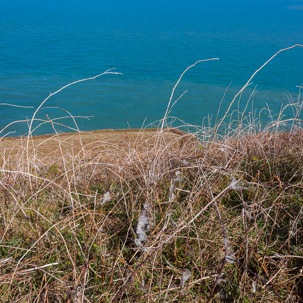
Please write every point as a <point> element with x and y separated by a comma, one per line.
<point>154,216</point>
<point>91,143</point>
<point>228,213</point>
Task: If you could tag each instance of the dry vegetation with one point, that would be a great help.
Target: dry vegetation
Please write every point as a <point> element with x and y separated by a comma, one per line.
<point>220,221</point>
<point>154,216</point>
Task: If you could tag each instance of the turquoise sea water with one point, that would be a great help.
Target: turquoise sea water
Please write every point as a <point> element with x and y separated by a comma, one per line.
<point>45,45</point>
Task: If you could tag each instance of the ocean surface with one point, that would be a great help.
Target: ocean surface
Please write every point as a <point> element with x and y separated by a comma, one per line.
<point>45,45</point>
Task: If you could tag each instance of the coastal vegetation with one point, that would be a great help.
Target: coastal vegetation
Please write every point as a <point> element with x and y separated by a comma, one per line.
<point>213,214</point>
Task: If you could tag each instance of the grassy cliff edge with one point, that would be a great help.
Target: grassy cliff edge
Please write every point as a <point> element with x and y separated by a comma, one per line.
<point>154,216</point>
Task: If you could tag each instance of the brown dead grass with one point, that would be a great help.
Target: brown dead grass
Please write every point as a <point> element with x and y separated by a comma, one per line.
<point>89,144</point>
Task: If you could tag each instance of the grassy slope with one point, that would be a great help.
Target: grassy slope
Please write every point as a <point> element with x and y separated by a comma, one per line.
<point>222,221</point>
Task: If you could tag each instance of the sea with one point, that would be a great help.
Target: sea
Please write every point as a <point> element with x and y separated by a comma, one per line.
<point>46,45</point>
